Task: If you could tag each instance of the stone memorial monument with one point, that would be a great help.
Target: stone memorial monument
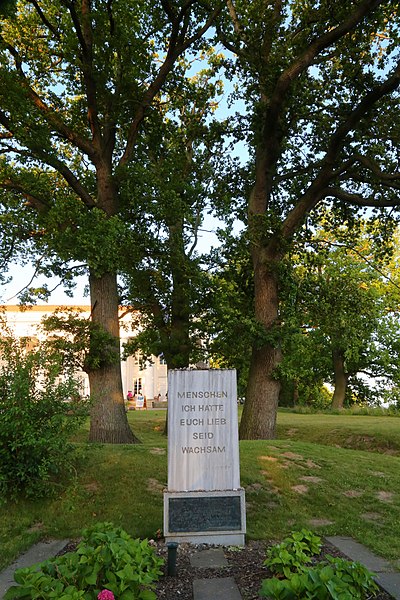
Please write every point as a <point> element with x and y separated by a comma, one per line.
<point>204,502</point>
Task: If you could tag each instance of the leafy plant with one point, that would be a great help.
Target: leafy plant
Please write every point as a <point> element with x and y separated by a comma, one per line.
<point>81,343</point>
<point>106,559</point>
<point>293,553</point>
<point>38,412</point>
<point>331,579</point>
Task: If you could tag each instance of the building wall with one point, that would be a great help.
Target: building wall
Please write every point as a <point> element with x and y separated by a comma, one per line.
<point>151,376</point>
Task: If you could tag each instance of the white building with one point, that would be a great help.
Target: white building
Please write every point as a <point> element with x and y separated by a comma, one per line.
<point>149,378</point>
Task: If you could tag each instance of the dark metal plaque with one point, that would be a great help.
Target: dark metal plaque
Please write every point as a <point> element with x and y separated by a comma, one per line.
<point>207,513</point>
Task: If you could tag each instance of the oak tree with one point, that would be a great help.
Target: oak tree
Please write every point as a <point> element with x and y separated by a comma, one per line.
<point>77,79</point>
<point>321,81</point>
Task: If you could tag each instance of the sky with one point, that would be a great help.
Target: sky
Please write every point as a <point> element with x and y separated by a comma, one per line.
<point>22,275</point>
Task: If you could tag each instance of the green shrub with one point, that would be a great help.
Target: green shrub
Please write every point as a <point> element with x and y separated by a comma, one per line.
<point>293,553</point>
<point>331,579</point>
<point>38,413</point>
<point>107,558</point>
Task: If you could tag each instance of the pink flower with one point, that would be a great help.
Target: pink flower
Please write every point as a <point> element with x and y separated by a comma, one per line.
<point>105,595</point>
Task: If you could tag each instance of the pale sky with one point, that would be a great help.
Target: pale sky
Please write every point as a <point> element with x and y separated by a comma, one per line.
<point>22,275</point>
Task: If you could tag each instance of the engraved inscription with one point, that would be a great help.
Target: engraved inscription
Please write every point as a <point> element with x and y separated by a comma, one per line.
<point>214,513</point>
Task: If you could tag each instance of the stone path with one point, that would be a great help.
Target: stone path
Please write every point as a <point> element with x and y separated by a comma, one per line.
<point>223,588</point>
<point>219,588</point>
<point>386,576</point>
<point>37,553</point>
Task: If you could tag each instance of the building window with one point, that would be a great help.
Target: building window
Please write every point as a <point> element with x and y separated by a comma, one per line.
<point>137,385</point>
<point>162,360</point>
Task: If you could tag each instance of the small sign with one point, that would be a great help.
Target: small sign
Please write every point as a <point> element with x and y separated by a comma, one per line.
<point>212,513</point>
<point>140,402</point>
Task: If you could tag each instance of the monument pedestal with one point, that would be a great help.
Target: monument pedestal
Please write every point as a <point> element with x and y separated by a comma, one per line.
<point>214,517</point>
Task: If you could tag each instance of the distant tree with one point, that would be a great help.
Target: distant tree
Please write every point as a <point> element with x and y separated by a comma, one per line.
<point>167,285</point>
<point>341,297</point>
<point>229,319</point>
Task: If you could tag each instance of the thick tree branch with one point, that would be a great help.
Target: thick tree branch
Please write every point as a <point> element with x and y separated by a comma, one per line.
<point>75,20</point>
<point>362,109</point>
<point>58,165</point>
<point>34,201</point>
<point>322,43</point>
<point>50,116</point>
<point>110,17</point>
<point>360,200</point>
<point>44,20</point>
<point>235,20</point>
<point>83,30</point>
<point>307,58</point>
<point>375,169</point>
<point>197,36</point>
<point>174,51</point>
<point>267,43</point>
<point>169,11</point>
<point>88,67</point>
<point>70,178</point>
<point>320,186</point>
<point>185,10</point>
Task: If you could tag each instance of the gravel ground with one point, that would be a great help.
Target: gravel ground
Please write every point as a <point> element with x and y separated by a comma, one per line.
<point>245,566</point>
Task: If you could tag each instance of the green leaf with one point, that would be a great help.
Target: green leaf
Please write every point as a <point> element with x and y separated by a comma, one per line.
<point>147,595</point>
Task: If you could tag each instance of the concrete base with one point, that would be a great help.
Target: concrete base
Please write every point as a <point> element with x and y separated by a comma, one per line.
<point>214,539</point>
<point>213,517</point>
<point>216,589</point>
<point>213,558</point>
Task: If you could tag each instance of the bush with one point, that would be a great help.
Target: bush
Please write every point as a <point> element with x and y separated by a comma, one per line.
<point>331,579</point>
<point>107,558</point>
<point>38,413</point>
<point>293,553</point>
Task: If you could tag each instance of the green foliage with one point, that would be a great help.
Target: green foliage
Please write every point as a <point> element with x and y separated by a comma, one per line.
<point>181,159</point>
<point>80,342</point>
<point>106,558</point>
<point>293,553</point>
<point>331,579</point>
<point>336,301</point>
<point>337,579</point>
<point>38,412</point>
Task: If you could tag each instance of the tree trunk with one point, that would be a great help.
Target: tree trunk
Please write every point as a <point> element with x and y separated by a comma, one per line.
<point>295,392</point>
<point>260,408</point>
<point>108,420</point>
<point>262,395</point>
<point>341,378</point>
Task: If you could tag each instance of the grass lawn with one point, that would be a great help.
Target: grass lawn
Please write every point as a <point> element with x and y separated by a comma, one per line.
<point>336,474</point>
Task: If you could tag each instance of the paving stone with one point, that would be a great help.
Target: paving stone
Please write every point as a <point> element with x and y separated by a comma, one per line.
<point>213,558</point>
<point>37,553</point>
<point>391,583</point>
<point>360,553</point>
<point>223,588</point>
